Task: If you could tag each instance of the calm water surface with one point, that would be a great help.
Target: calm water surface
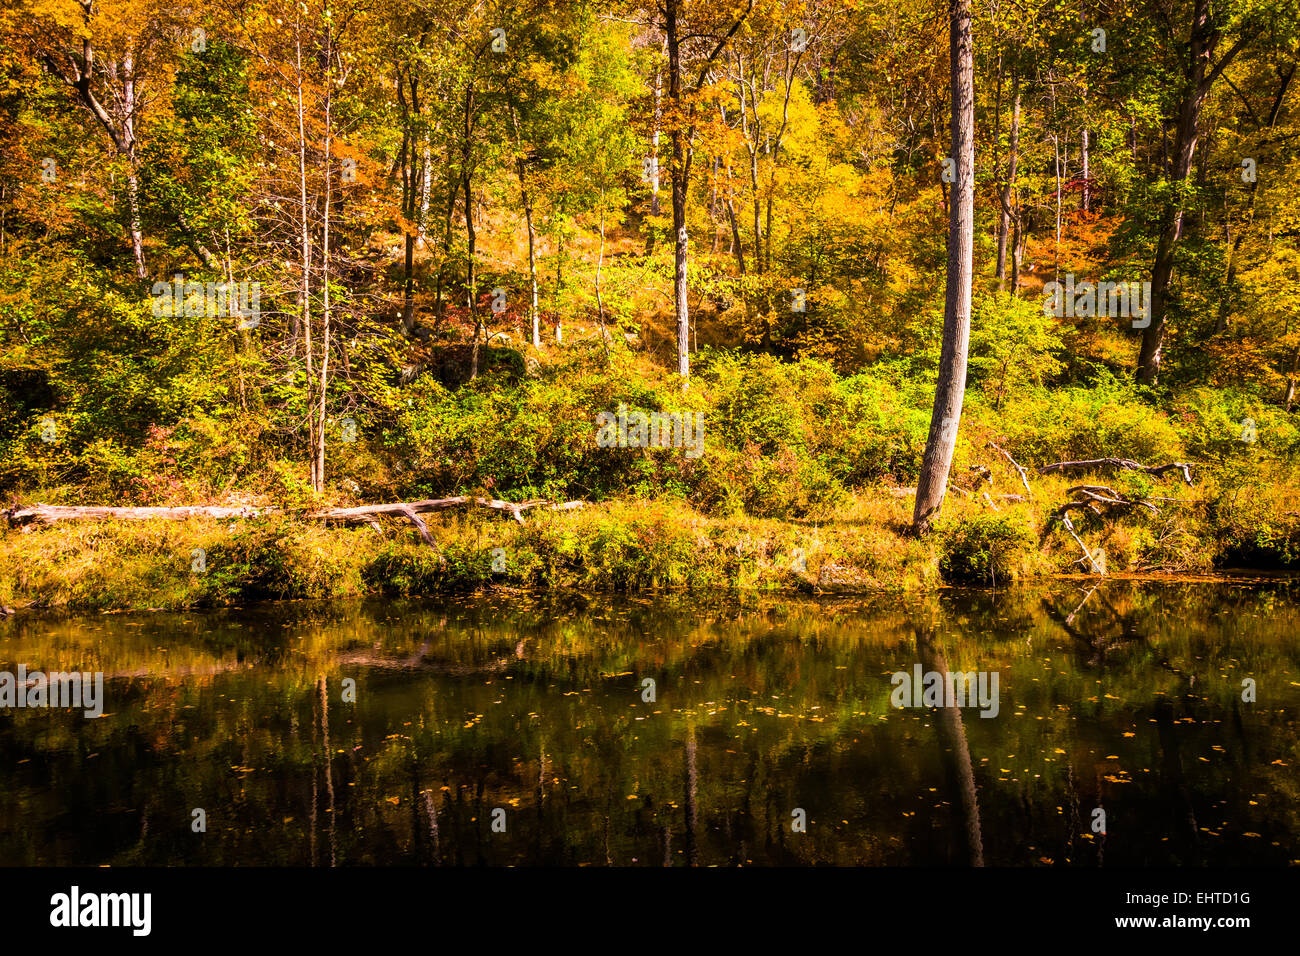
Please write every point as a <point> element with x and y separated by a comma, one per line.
<point>1131,703</point>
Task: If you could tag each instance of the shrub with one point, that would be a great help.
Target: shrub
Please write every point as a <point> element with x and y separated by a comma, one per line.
<point>986,549</point>
<point>1108,418</point>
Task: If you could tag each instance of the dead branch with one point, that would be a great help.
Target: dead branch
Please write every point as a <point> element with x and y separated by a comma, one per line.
<point>1087,555</point>
<point>1119,464</point>
<point>1099,489</point>
<point>1024,475</point>
<point>1120,502</point>
<point>20,516</point>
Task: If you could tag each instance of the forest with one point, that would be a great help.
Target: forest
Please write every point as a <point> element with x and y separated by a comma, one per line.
<point>818,294</point>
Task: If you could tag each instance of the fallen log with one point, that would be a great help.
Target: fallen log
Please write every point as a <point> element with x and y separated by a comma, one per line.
<point>1118,501</point>
<point>1119,464</point>
<point>23,515</point>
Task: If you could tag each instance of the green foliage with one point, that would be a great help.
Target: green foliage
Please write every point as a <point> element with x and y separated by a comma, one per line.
<point>1012,346</point>
<point>1108,418</point>
<point>986,549</point>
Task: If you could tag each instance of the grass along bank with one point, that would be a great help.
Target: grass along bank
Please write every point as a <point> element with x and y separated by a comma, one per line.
<point>860,545</point>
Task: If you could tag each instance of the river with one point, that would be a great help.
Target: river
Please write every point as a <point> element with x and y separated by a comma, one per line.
<point>1136,723</point>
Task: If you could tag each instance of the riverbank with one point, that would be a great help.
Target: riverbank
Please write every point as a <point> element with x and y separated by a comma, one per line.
<point>860,546</point>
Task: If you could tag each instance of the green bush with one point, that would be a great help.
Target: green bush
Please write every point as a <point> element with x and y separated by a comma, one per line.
<point>986,549</point>
<point>1108,418</point>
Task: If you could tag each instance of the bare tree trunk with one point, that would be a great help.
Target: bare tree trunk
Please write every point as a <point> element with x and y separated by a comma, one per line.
<point>305,292</point>
<point>132,175</point>
<point>1018,236</point>
<point>951,388</point>
<point>133,211</point>
<point>413,198</point>
<point>533,311</point>
<point>526,198</point>
<point>600,262</point>
<point>1013,156</point>
<point>1056,267</point>
<point>654,152</point>
<point>788,73</point>
<point>736,245</point>
<point>1289,398</point>
<point>439,305</point>
<point>680,172</point>
<point>426,186</point>
<point>1086,201</point>
<point>471,295</point>
<point>319,470</point>
<point>654,144</point>
<point>559,279</point>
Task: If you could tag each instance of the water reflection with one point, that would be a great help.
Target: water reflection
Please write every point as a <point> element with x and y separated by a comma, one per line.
<point>954,754</point>
<point>1127,699</point>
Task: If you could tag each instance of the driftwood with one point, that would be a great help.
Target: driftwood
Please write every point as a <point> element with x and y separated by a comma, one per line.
<point>1103,500</point>
<point>1111,498</point>
<point>1087,555</point>
<point>1119,464</point>
<point>23,515</point>
<point>1024,475</point>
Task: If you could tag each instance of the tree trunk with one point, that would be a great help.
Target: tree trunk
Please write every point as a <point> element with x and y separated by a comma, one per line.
<point>129,107</point>
<point>1019,234</point>
<point>600,262</point>
<point>1204,38</point>
<point>534,312</point>
<point>471,297</point>
<point>1086,201</point>
<point>1013,156</point>
<point>439,304</point>
<point>319,451</point>
<point>1289,398</point>
<point>305,292</point>
<point>1225,303</point>
<point>559,279</point>
<point>951,388</point>
<point>679,180</point>
<point>788,73</point>
<point>1056,254</point>
<point>526,198</point>
<point>654,146</point>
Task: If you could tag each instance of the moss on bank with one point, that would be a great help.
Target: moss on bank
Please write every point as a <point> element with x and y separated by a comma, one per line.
<point>861,546</point>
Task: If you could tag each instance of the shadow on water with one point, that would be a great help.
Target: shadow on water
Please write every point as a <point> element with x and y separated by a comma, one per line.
<point>669,730</point>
